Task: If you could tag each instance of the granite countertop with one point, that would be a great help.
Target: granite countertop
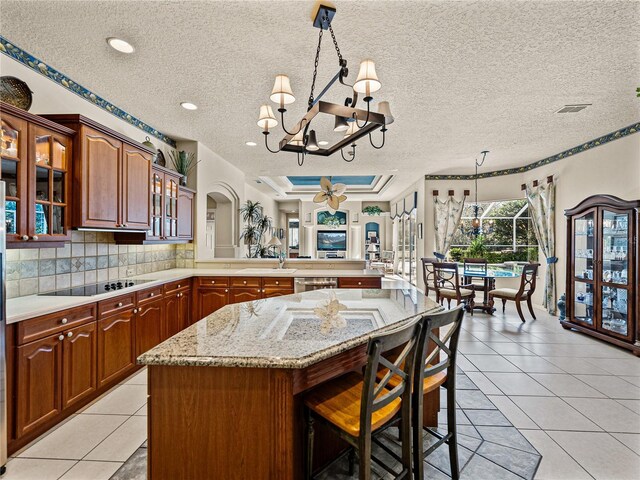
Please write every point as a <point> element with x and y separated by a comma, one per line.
<point>293,331</point>
<point>22,308</point>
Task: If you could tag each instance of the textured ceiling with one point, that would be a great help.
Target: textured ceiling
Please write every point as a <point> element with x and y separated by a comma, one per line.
<point>461,76</point>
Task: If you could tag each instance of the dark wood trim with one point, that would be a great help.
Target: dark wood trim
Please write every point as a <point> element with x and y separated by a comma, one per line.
<point>75,119</point>
<point>33,118</point>
<point>608,201</point>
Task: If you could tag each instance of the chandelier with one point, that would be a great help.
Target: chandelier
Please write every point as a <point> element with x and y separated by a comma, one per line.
<point>476,224</point>
<point>354,122</point>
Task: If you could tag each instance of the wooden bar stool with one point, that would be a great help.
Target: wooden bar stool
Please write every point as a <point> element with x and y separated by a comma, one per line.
<point>433,370</point>
<point>358,406</point>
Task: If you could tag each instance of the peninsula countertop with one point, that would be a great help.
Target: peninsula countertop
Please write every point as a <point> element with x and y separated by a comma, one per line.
<point>22,308</point>
<point>292,331</point>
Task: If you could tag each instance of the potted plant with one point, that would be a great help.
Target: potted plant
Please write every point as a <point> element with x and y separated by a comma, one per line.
<point>256,225</point>
<point>183,163</point>
<point>372,210</point>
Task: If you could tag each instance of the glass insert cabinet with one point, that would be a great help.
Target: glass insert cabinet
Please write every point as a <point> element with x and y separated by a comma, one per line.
<point>602,270</point>
<point>36,156</point>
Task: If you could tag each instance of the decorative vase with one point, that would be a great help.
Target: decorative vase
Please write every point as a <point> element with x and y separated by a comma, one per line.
<point>562,307</point>
<point>183,181</point>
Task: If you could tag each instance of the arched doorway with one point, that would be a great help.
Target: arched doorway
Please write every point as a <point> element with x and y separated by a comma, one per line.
<point>220,219</point>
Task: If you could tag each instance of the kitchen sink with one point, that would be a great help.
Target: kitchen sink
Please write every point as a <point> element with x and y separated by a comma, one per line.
<point>262,271</point>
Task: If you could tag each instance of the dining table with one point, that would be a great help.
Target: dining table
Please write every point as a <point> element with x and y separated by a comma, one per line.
<point>488,278</point>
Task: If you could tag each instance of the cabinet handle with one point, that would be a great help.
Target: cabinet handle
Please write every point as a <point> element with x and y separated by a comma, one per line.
<point>226,290</point>
<point>64,321</point>
<point>70,334</point>
<point>24,237</point>
<point>213,281</point>
<point>178,285</point>
<point>277,283</point>
<point>119,304</point>
<point>135,310</point>
<point>123,225</point>
<point>359,283</point>
<point>61,337</point>
<point>245,282</point>
<point>35,237</point>
<point>152,294</point>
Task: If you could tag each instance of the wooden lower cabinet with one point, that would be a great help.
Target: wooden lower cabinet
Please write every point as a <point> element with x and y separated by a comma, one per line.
<point>38,382</point>
<point>149,322</point>
<point>209,300</point>
<point>237,295</point>
<point>177,312</point>
<point>360,282</point>
<point>78,364</point>
<point>115,346</point>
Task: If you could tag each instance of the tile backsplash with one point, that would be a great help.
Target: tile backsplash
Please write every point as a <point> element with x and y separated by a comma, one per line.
<point>90,257</point>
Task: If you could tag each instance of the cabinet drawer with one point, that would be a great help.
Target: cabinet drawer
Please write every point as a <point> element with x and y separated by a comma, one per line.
<point>277,282</point>
<point>117,304</point>
<point>245,282</point>
<point>359,282</point>
<point>213,281</point>
<point>177,286</point>
<point>149,294</point>
<point>40,327</point>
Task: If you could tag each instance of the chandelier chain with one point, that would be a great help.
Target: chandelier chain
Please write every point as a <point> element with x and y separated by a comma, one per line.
<point>335,44</point>
<point>315,67</point>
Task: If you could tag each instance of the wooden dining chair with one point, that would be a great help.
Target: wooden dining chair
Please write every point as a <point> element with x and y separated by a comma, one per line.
<point>428,275</point>
<point>435,369</point>
<point>448,286</point>
<point>525,292</point>
<point>358,406</point>
<point>478,266</point>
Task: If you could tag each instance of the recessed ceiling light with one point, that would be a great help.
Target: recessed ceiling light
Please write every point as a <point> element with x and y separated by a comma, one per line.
<point>188,106</point>
<point>120,45</point>
<point>323,142</point>
<point>250,144</point>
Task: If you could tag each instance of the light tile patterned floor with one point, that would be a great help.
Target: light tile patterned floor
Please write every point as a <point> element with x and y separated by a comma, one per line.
<point>574,399</point>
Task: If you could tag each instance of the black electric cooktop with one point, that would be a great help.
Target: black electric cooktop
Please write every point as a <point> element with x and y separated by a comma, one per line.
<point>95,289</point>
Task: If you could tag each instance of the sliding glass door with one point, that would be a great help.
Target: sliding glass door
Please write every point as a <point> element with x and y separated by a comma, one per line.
<point>406,240</point>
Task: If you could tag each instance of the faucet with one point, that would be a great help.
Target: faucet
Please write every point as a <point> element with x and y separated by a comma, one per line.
<point>281,261</point>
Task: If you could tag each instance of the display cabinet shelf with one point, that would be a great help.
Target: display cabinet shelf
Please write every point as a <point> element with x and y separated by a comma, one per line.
<point>602,270</point>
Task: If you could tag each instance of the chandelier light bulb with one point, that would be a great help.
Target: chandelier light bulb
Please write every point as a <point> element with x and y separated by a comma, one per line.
<point>367,81</point>
<point>340,124</point>
<point>475,223</point>
<point>282,93</point>
<point>383,108</point>
<point>312,143</point>
<point>267,119</point>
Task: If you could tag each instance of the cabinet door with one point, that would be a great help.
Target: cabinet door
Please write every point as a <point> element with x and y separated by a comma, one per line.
<point>101,164</point>
<point>49,175</point>
<point>39,373</point>
<point>210,300</point>
<point>185,215</point>
<point>78,364</point>
<point>237,295</point>
<point>616,273</point>
<point>185,308</point>
<point>115,346</point>
<point>13,170</point>
<point>172,314</point>
<point>584,260</point>
<point>136,188</point>
<point>157,197</point>
<point>149,325</point>
<point>275,292</point>
<point>170,206</point>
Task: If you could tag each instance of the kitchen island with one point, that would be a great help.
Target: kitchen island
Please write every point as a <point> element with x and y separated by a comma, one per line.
<point>225,393</point>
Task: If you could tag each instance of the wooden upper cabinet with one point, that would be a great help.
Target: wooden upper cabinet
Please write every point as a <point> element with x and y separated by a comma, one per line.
<point>36,167</point>
<point>112,174</point>
<point>98,172</point>
<point>186,207</point>
<point>136,188</point>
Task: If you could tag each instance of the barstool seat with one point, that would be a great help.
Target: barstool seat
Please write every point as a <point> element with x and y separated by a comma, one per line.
<point>429,385</point>
<point>338,402</point>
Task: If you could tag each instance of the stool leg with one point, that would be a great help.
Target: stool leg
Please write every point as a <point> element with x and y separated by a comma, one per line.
<point>504,304</point>
<point>309,456</point>
<point>405,422</point>
<point>364,452</point>
<point>530,307</point>
<point>352,461</point>
<point>417,433</point>
<point>519,308</point>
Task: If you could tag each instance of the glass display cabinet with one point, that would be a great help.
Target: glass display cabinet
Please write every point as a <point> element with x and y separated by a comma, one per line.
<point>602,270</point>
<point>36,160</point>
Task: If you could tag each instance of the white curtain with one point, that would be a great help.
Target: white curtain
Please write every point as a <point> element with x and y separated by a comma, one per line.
<point>448,214</point>
<point>542,206</point>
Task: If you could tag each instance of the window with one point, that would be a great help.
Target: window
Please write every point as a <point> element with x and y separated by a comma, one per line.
<point>405,246</point>
<point>294,234</point>
<point>507,231</point>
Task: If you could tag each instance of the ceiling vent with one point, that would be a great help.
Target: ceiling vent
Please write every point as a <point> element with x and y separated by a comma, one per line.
<point>573,108</point>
